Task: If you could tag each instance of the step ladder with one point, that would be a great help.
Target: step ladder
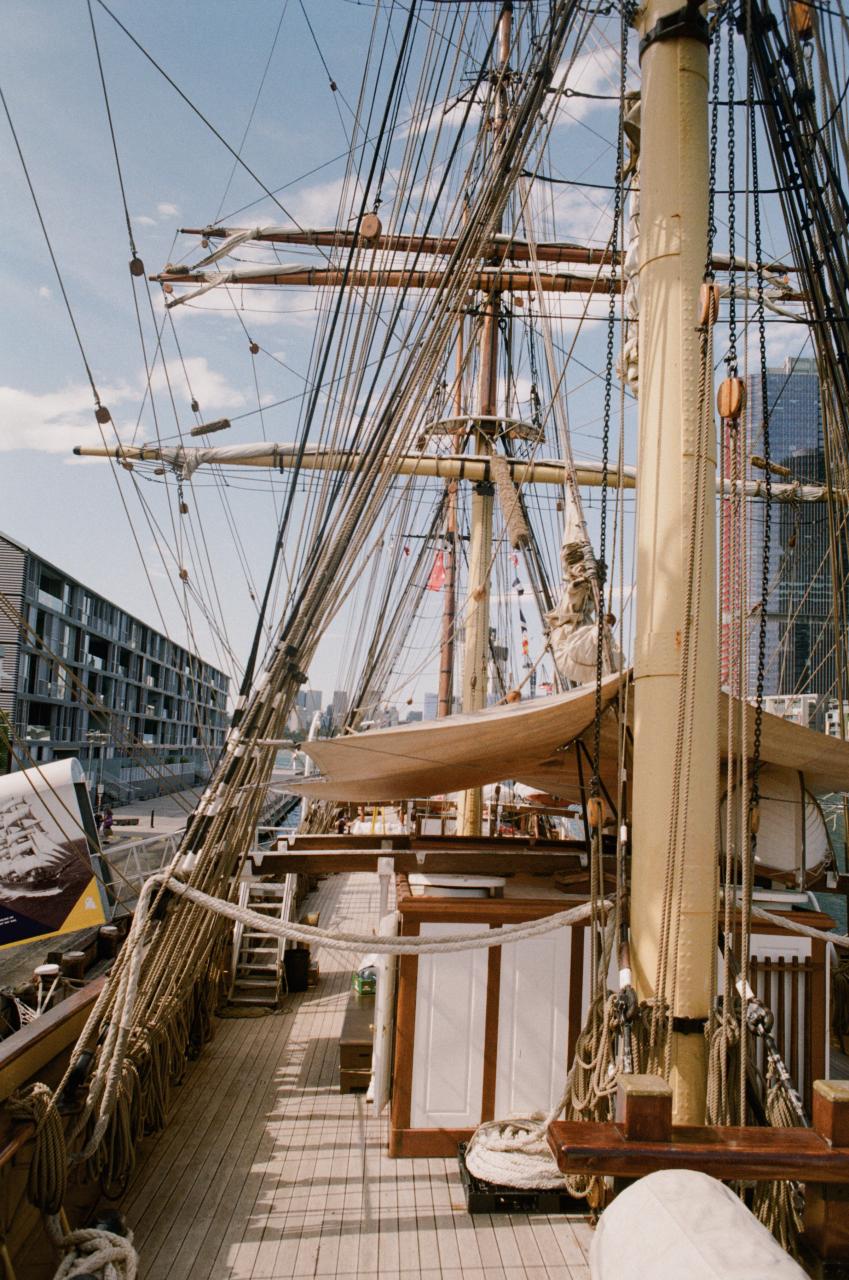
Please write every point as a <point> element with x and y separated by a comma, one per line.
<point>257,964</point>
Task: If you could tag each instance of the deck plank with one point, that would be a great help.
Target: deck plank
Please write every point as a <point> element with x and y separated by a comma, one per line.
<point>267,1171</point>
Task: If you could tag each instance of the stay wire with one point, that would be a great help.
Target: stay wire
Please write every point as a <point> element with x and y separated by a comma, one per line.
<point>47,241</point>
<point>197,111</point>
<point>595,782</point>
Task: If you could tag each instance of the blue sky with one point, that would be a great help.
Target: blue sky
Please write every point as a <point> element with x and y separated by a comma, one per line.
<point>177,174</point>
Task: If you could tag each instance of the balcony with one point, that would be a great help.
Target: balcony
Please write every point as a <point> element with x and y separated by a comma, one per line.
<point>50,601</point>
<point>49,689</point>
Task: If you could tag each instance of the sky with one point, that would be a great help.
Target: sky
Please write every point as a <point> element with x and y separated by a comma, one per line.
<point>86,515</point>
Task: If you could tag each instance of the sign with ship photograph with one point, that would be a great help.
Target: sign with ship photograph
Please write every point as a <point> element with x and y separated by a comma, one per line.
<point>51,878</point>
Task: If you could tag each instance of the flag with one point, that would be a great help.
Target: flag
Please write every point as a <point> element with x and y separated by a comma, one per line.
<point>436,581</point>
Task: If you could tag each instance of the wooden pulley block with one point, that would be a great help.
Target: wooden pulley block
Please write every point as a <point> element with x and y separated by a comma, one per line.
<point>802,19</point>
<point>184,575</point>
<point>708,303</point>
<point>731,398</point>
<point>371,228</point>
<point>184,508</point>
<point>102,415</point>
<point>136,266</point>
<point>595,811</point>
<point>755,819</point>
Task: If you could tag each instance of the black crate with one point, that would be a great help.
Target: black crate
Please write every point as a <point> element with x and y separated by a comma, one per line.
<point>486,1197</point>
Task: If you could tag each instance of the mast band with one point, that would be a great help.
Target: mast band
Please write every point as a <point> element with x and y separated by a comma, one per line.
<point>672,26</point>
<point>689,1026</point>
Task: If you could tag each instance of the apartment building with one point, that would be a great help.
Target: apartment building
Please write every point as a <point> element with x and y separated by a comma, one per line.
<point>83,678</point>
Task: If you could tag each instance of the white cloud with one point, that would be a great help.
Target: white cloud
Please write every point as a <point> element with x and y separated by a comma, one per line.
<point>317,205</point>
<point>45,292</point>
<point>142,220</point>
<point>166,210</point>
<point>208,386</point>
<point>56,421</point>
<point>595,72</point>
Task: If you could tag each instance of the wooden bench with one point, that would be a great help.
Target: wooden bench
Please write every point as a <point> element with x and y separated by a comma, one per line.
<point>355,1043</point>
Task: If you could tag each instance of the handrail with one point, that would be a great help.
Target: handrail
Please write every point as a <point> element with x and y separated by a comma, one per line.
<point>26,1051</point>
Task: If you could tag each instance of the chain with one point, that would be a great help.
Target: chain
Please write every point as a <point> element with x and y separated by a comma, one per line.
<point>714,135</point>
<point>731,358</point>
<point>767,526</point>
<point>595,783</point>
<point>533,395</point>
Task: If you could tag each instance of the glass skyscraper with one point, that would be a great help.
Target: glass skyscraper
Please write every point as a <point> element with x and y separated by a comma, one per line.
<point>799,627</point>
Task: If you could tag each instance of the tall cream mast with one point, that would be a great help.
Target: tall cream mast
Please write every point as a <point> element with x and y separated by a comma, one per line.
<point>476,647</point>
<point>676,461</point>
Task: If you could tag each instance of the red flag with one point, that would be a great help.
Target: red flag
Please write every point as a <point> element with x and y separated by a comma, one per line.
<point>436,581</point>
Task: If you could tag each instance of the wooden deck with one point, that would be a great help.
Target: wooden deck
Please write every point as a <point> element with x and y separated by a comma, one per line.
<point>267,1170</point>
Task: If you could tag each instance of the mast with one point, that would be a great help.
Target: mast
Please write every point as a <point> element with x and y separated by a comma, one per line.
<point>476,647</point>
<point>449,597</point>
<point>676,462</point>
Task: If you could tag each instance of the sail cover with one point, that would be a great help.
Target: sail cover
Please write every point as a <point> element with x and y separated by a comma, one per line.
<point>531,742</point>
<point>524,740</point>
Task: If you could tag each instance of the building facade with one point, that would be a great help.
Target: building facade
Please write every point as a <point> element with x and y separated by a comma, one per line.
<point>83,678</point>
<point>799,614</point>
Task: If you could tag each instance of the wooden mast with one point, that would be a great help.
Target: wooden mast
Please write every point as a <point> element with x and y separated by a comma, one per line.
<point>675,659</point>
<point>445,702</point>
<point>476,647</point>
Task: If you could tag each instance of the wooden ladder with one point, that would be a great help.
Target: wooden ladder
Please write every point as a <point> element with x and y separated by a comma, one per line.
<point>257,965</point>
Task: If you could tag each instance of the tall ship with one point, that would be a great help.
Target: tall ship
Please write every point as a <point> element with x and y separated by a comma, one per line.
<point>552,983</point>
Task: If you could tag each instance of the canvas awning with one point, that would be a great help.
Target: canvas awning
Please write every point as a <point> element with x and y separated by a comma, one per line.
<point>523,740</point>
<point>531,742</point>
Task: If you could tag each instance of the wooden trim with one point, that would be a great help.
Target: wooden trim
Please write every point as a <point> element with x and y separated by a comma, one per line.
<point>16,1142</point>
<point>542,862</point>
<point>27,1051</point>
<point>439,1143</point>
<point>725,1152</point>
<point>405,1033</point>
<point>576,992</point>
<point>492,911</point>
<point>815,919</point>
<point>490,1033</point>
<point>816,1029</point>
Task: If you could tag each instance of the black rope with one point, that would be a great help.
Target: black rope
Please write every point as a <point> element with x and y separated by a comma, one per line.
<point>65,298</point>
<point>197,111</point>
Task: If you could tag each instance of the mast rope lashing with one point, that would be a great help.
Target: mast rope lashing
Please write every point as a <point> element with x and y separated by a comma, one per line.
<point>354,943</point>
<point>92,1251</point>
<point>508,500</point>
<point>48,1172</point>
